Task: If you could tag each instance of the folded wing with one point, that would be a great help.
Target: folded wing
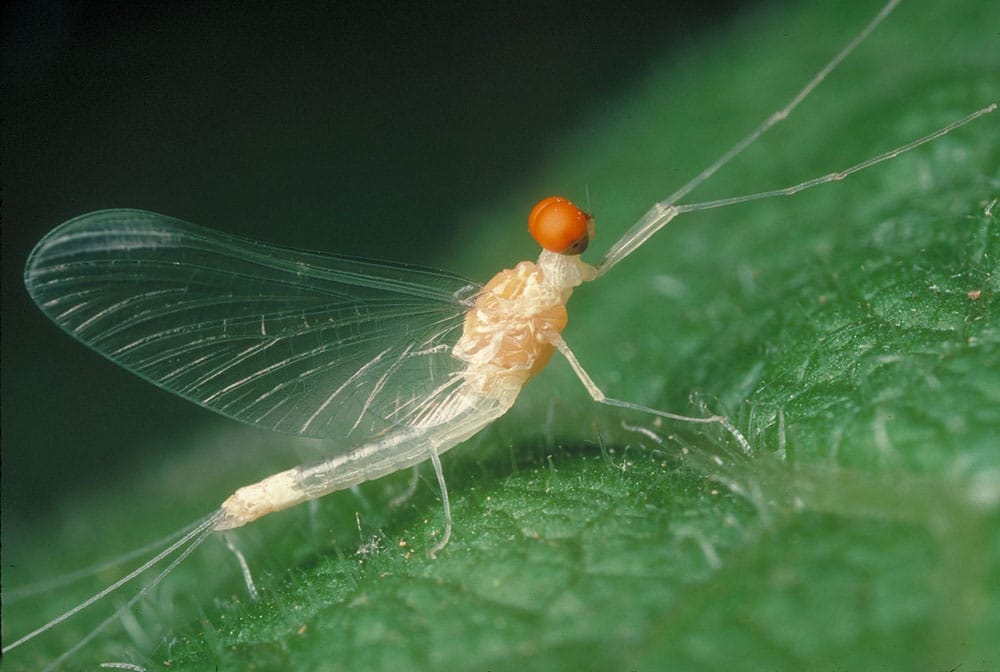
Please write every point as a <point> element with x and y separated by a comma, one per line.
<point>303,343</point>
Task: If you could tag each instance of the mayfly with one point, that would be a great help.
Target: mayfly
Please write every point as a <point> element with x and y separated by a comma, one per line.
<point>393,364</point>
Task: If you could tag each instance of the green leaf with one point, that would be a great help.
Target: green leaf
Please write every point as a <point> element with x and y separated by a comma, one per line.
<point>850,332</point>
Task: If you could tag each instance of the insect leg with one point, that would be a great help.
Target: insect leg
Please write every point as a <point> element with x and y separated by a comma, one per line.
<point>601,398</point>
<point>244,567</point>
<point>411,488</point>
<point>436,461</point>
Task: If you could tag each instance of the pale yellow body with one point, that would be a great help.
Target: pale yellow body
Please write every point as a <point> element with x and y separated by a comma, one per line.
<point>509,335</point>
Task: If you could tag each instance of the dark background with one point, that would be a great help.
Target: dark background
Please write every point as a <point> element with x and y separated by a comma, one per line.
<point>363,128</point>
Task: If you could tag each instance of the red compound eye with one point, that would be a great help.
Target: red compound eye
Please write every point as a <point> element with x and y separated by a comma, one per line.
<point>559,226</point>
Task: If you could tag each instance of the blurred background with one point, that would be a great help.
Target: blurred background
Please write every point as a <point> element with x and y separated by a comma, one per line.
<point>362,128</point>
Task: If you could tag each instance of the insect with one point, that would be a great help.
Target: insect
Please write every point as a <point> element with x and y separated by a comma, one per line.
<point>311,345</point>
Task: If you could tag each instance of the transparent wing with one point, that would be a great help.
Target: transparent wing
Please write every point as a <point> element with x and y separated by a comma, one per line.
<point>302,343</point>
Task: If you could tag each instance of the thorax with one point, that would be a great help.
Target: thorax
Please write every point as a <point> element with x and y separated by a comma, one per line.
<point>509,331</point>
